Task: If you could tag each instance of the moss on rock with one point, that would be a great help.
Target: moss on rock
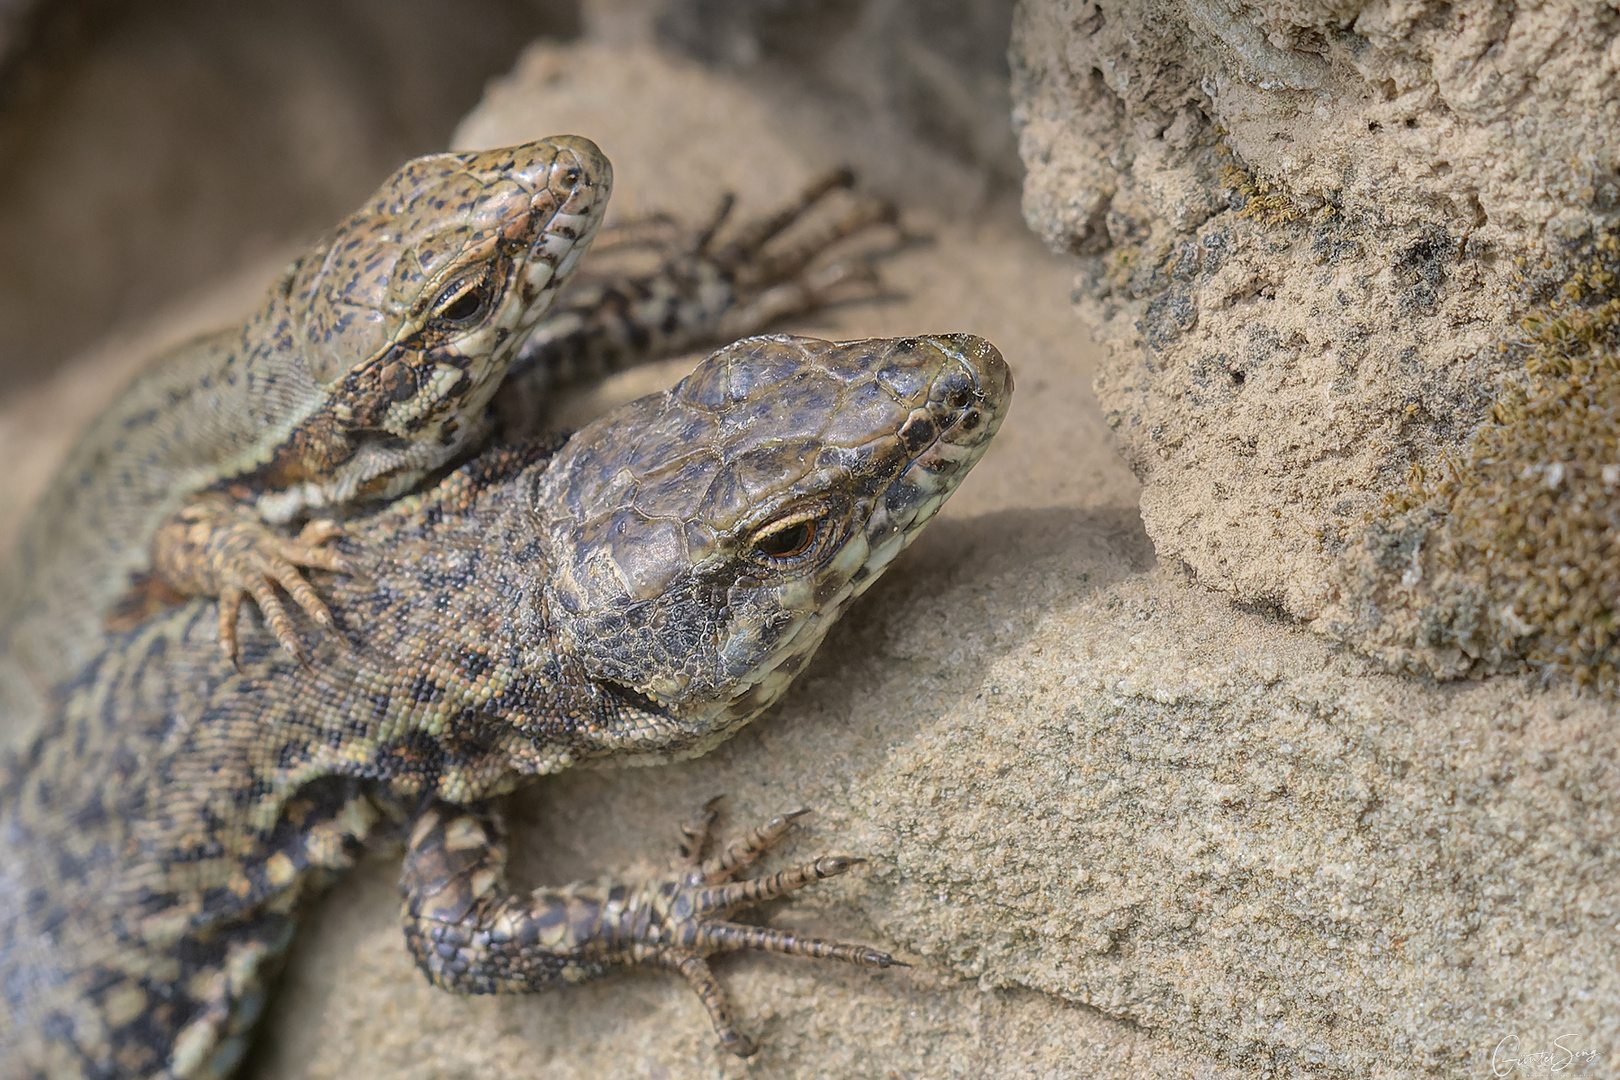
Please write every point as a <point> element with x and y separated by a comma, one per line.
<point>1510,557</point>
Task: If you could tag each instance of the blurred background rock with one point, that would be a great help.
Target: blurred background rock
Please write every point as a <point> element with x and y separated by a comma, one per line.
<point>150,148</point>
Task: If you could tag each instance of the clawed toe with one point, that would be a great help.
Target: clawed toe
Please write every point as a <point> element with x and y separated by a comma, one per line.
<point>258,579</point>
<point>710,890</point>
<point>697,833</point>
<point>215,546</point>
<point>740,853</point>
<point>307,548</point>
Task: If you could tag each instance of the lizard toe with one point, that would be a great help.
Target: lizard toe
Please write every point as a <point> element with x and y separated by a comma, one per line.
<point>218,547</point>
<point>275,615</point>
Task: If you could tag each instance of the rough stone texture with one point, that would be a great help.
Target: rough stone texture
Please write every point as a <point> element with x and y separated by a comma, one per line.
<point>1508,557</point>
<point>1311,230</point>
<point>1253,851</point>
<point>1122,826</point>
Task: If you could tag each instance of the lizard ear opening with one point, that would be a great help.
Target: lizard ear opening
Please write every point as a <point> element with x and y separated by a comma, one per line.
<point>635,699</point>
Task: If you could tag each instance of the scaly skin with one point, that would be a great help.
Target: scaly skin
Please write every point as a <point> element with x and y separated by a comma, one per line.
<point>91,530</point>
<point>370,364</point>
<point>638,595</point>
<point>711,285</point>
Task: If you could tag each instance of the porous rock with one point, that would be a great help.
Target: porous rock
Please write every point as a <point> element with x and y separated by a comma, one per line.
<point>1311,232</point>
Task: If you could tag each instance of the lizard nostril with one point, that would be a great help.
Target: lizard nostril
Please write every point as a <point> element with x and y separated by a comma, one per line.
<point>956,389</point>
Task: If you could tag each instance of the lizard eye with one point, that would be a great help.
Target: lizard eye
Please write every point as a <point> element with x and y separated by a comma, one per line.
<point>462,304</point>
<point>784,541</point>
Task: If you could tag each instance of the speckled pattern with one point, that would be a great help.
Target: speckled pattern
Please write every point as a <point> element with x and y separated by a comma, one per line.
<point>182,485</point>
<point>368,365</point>
<point>638,594</point>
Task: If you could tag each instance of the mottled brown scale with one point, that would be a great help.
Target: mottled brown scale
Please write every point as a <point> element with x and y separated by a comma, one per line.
<point>161,835</point>
<point>215,415</point>
<point>346,384</point>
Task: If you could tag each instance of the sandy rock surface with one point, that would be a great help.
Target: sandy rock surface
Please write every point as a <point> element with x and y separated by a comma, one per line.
<point>1119,825</point>
<point>1091,791</point>
<point>1311,232</point>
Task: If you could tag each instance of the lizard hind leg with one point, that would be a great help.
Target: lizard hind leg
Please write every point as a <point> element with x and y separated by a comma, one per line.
<point>752,237</point>
<point>794,278</point>
<point>470,933</point>
<point>714,282</point>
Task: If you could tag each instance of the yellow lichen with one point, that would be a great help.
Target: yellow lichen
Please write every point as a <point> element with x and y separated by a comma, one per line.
<point>1526,527</point>
<point>1265,202</point>
<point>1121,264</point>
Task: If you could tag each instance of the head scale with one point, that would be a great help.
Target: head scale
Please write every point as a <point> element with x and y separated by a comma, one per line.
<point>411,311</point>
<point>502,221</point>
<point>702,541</point>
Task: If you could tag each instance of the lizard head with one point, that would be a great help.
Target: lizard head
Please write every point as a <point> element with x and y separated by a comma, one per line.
<point>702,541</point>
<point>408,314</point>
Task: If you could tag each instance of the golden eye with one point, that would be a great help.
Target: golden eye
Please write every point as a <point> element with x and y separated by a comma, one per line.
<point>787,541</point>
<point>462,304</point>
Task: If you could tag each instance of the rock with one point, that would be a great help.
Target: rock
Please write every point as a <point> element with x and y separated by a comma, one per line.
<point>1120,825</point>
<point>1312,233</point>
<point>1117,823</point>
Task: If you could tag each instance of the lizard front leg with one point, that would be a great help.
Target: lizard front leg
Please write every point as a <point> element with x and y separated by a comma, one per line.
<point>470,934</point>
<point>214,546</point>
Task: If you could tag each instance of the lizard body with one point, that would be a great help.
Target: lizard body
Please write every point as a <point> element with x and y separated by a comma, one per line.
<point>636,596</point>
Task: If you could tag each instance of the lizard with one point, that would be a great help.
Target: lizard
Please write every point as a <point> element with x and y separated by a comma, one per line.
<point>706,289</point>
<point>634,595</point>
<point>183,480</point>
<point>367,365</point>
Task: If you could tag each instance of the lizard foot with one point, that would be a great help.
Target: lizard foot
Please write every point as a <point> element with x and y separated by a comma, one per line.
<point>215,547</point>
<point>658,288</point>
<point>470,933</point>
<point>709,890</point>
